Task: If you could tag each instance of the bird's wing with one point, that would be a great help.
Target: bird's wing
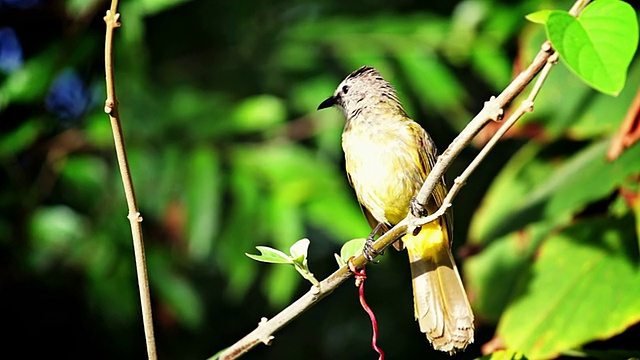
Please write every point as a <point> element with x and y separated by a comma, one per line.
<point>427,159</point>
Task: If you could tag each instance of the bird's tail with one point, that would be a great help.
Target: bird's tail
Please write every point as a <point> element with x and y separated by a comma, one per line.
<point>441,305</point>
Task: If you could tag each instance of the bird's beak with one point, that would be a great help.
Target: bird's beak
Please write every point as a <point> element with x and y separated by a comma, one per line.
<point>327,103</point>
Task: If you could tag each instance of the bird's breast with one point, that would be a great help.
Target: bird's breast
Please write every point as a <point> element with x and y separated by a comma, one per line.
<point>382,163</point>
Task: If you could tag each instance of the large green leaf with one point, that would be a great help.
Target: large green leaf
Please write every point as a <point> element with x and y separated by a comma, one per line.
<point>598,45</point>
<point>524,171</point>
<point>583,286</point>
<point>492,275</point>
<point>584,178</point>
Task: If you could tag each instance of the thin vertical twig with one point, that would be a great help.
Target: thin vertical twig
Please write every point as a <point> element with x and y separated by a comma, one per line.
<point>112,20</point>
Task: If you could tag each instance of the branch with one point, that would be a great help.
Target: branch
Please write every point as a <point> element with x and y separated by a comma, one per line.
<point>112,20</point>
<point>460,181</point>
<point>266,328</point>
<point>493,110</point>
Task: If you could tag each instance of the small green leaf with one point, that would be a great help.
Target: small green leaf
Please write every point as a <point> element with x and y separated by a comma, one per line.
<point>599,45</point>
<point>299,251</point>
<point>270,255</point>
<point>539,17</point>
<point>350,248</point>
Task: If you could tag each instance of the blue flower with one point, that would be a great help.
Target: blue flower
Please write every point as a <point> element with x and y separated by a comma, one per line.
<point>10,50</point>
<point>68,96</point>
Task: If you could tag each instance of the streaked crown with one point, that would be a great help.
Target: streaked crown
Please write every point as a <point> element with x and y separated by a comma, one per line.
<point>361,89</point>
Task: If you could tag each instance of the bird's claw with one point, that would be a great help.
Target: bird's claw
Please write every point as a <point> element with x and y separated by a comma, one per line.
<point>417,209</point>
<point>369,252</point>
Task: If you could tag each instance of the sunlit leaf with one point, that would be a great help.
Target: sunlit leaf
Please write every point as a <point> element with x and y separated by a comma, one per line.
<point>539,17</point>
<point>561,194</point>
<point>597,46</point>
<point>567,107</point>
<point>508,191</point>
<point>583,286</point>
<point>270,255</point>
<point>492,275</point>
<point>299,250</point>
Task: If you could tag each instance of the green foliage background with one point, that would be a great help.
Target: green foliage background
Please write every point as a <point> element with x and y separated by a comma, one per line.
<point>227,152</point>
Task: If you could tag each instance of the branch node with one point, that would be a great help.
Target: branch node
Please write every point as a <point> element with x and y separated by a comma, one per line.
<point>527,105</point>
<point>494,111</point>
<point>265,338</point>
<point>112,19</point>
<point>546,47</point>
<point>459,180</point>
<point>315,289</point>
<point>135,217</point>
<point>108,106</point>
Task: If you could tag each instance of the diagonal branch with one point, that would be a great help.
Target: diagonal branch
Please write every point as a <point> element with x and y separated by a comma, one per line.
<point>112,20</point>
<point>492,111</point>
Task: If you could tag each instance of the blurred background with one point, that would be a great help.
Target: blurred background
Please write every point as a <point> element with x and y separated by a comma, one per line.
<point>227,152</point>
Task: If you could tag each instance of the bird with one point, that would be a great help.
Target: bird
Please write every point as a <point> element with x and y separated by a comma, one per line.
<point>387,159</point>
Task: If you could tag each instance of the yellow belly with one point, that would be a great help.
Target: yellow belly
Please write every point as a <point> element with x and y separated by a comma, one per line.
<point>382,165</point>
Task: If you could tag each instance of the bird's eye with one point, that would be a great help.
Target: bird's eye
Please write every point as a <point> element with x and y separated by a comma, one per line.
<point>345,89</point>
